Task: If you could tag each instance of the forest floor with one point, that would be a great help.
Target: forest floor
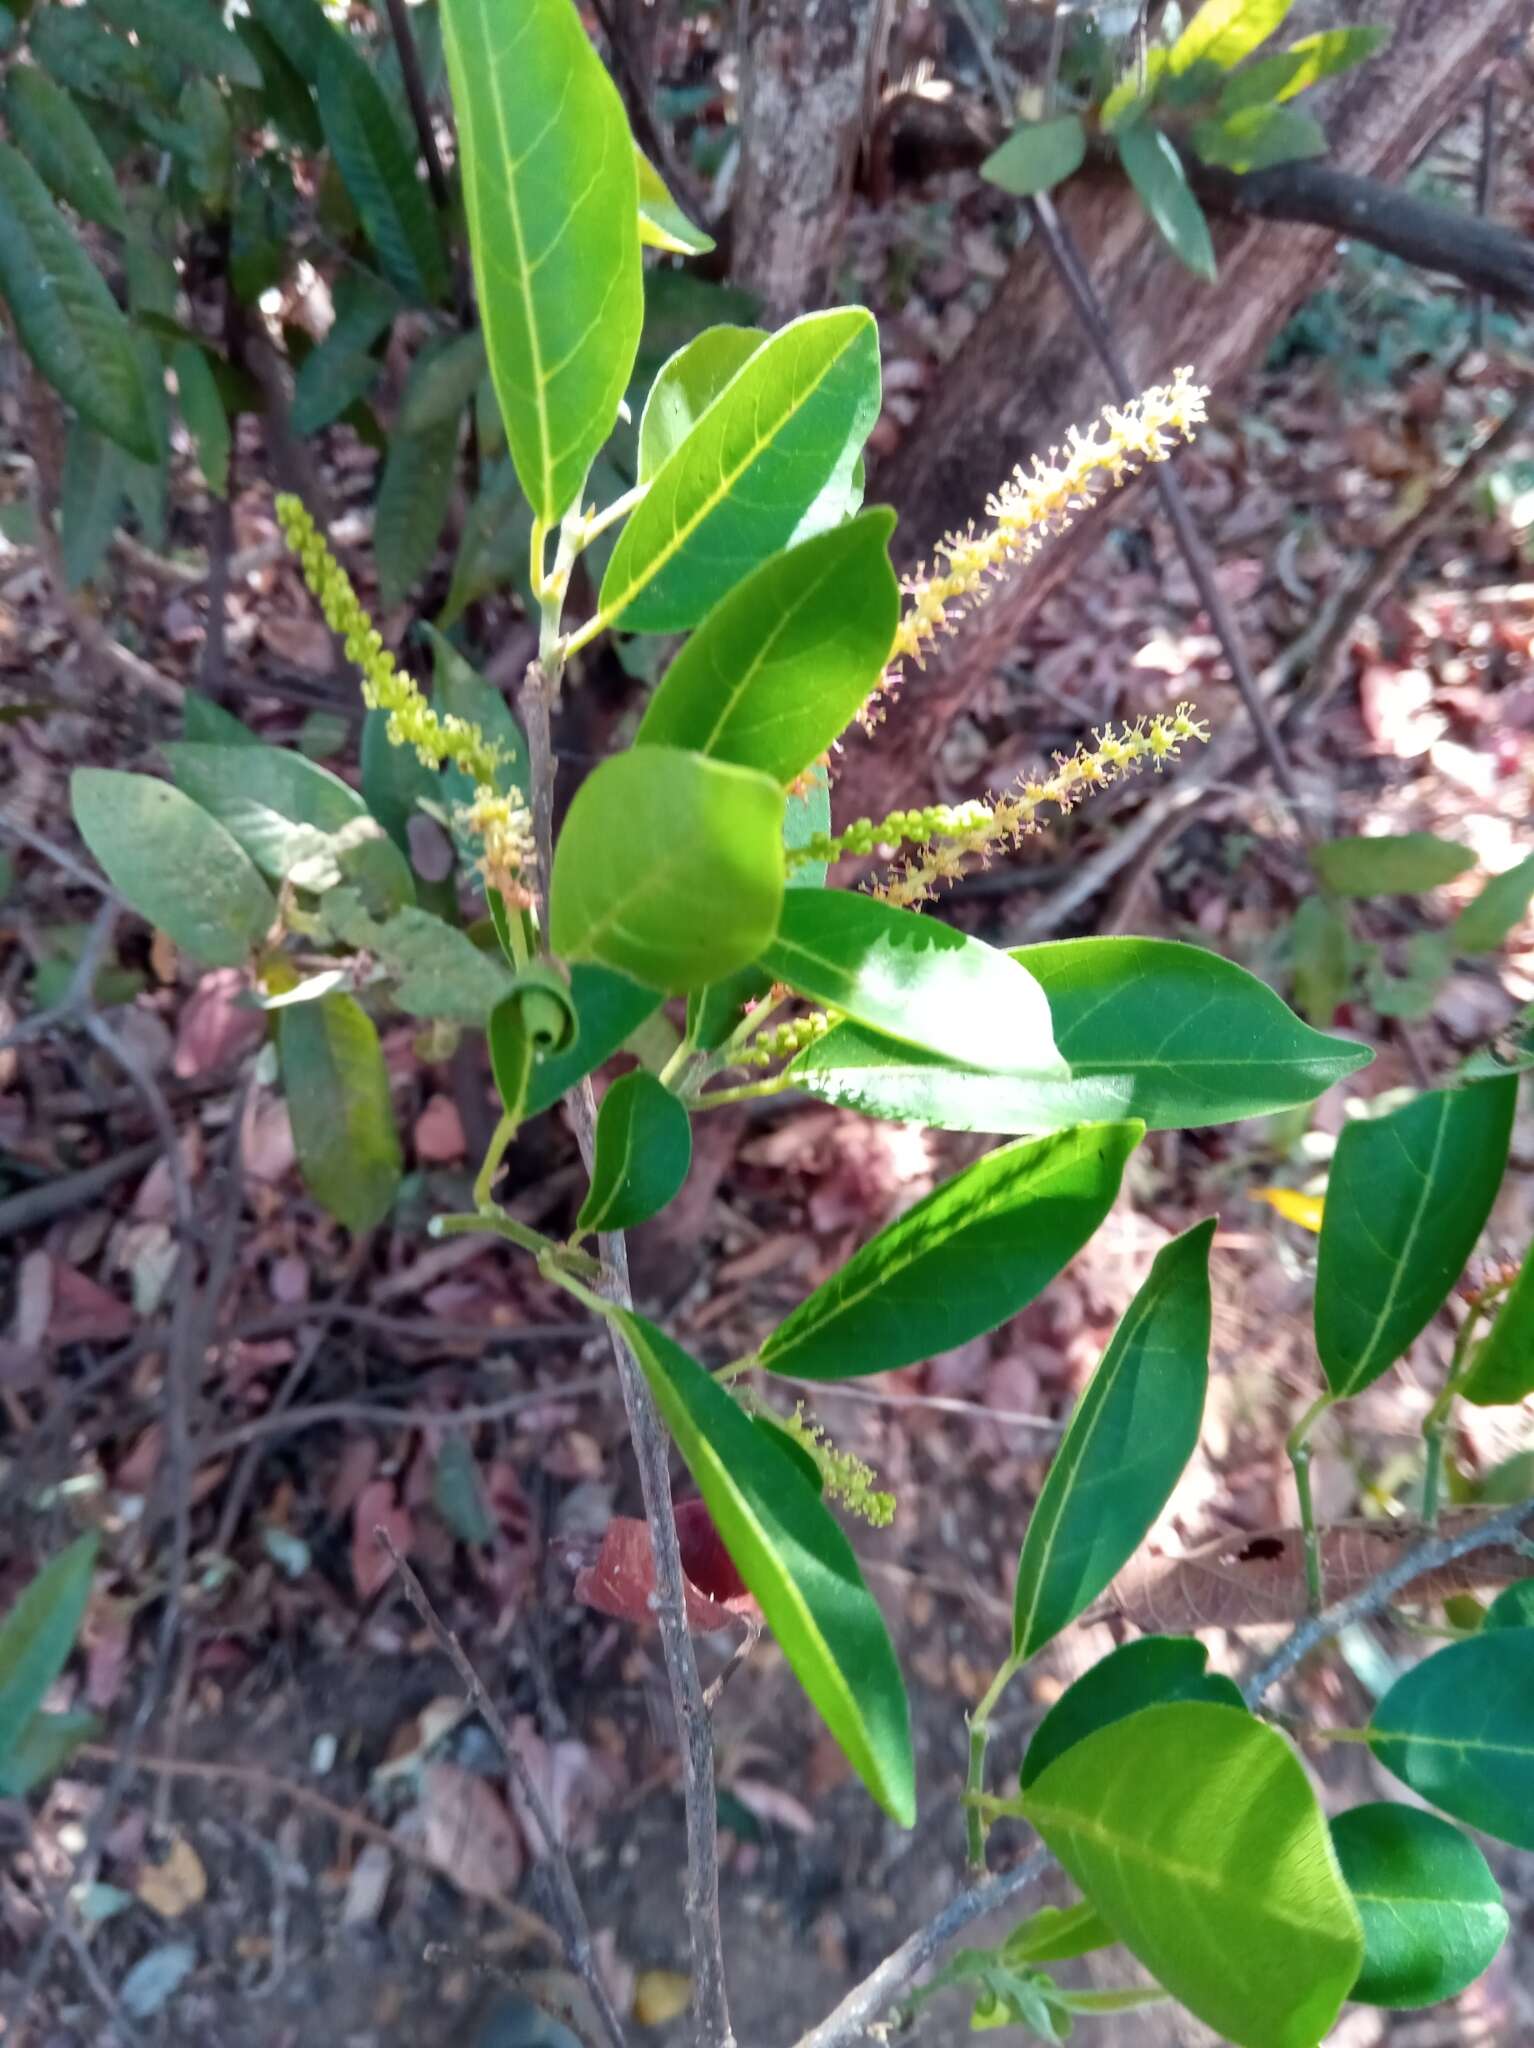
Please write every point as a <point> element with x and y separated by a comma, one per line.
<point>227,1908</point>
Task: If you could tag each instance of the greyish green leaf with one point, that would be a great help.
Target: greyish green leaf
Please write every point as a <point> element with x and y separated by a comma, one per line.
<point>552,198</point>
<point>1396,863</point>
<point>176,866</point>
<point>738,488</point>
<point>1155,170</point>
<point>61,147</point>
<point>1142,1673</point>
<point>1133,1430</point>
<point>1457,1729</point>
<point>90,501</point>
<point>643,1151</point>
<point>38,1634</point>
<point>1432,1912</point>
<point>441,972</point>
<point>960,1261</point>
<point>1407,1198</point>
<point>380,175</point>
<point>687,386</point>
<point>441,383</point>
<point>337,1089</point>
<point>1037,156</point>
<point>797,1563</point>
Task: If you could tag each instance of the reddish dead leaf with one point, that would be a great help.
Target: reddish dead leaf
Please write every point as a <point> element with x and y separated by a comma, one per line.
<point>266,1139</point>
<point>439,1139</point>
<point>622,1580</point>
<point>1243,1581</point>
<point>214,1029</point>
<point>575,1783</point>
<point>82,1312</point>
<point>469,1835</point>
<point>708,1565</point>
<point>377,1508</point>
<point>770,1803</point>
<point>359,1461</point>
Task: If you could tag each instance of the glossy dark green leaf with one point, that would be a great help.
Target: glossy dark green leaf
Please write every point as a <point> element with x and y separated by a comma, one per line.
<point>330,381</point>
<point>301,29</point>
<point>1155,170</point>
<point>65,317</point>
<point>643,1151</point>
<point>662,223</point>
<point>685,388</point>
<point>1222,32</point>
<point>1303,64</point>
<point>413,495</point>
<point>914,979</point>
<point>337,1089</point>
<point>38,1634</point>
<point>1037,156</point>
<point>1490,919</point>
<point>669,868</point>
<point>441,383</point>
<point>207,420</point>
<point>551,193</point>
<point>285,95</point>
<point>738,488</point>
<point>42,1749</point>
<point>90,501</point>
<point>194,31</point>
<point>1513,1607</point>
<point>379,171</point>
<point>1458,1730</point>
<point>1254,138</point>
<point>1142,1673</point>
<point>75,47</point>
<point>175,865</point>
<point>1132,1432</point>
<point>1406,1201</point>
<point>797,1563</point>
<point>1398,863</point>
<point>609,1008</point>
<point>784,663</point>
<point>1194,1831</point>
<point>61,147</point>
<point>1502,1370</point>
<point>1223,1046</point>
<point>494,550</point>
<point>1432,1912</point>
<point>961,1260</point>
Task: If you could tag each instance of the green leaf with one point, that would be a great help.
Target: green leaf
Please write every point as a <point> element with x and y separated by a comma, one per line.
<point>1456,1728</point>
<point>1290,71</point>
<point>1037,156</point>
<point>1398,863</point>
<point>66,319</point>
<point>202,719</point>
<point>281,807</point>
<point>1502,1370</point>
<point>609,1008</point>
<point>208,153</point>
<point>643,1151</point>
<point>738,487</point>
<point>457,1495</point>
<point>90,501</point>
<point>301,29</point>
<point>193,30</point>
<point>1155,170</point>
<point>1225,1046</point>
<point>286,98</point>
<point>1194,1831</point>
<point>1253,138</point>
<point>1143,1673</point>
<point>176,866</point>
<point>441,973</point>
<point>1432,1912</point>
<point>1513,1607</point>
<point>76,48</point>
<point>441,383</point>
<point>1224,31</point>
<point>413,495</point>
<point>796,1562</point>
<point>1135,92</point>
<point>60,146</point>
<point>38,1634</point>
<point>1133,1430</point>
<point>781,666</point>
<point>202,407</point>
<point>914,980</point>
<point>329,383</point>
<point>1405,1203</point>
<point>687,386</point>
<point>1320,959</point>
<point>1055,1934</point>
<point>662,223</point>
<point>552,198</point>
<point>494,549</point>
<point>960,1261</point>
<point>378,169</point>
<point>669,868</point>
<point>337,1090</point>
<point>43,1748</point>
<point>1490,919</point>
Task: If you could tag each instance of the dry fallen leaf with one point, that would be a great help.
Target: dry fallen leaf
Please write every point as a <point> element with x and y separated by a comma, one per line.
<point>174,1886</point>
<point>377,1508</point>
<point>469,1835</point>
<point>661,1995</point>
<point>622,1580</point>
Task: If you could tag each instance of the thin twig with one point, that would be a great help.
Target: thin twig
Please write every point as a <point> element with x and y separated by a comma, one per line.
<point>293,1420</point>
<point>576,1931</point>
<point>77,995</point>
<point>420,104</point>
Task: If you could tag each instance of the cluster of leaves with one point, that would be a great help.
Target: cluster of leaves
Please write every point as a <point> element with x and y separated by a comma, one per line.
<point>1188,1823</point>
<point>1200,92</point>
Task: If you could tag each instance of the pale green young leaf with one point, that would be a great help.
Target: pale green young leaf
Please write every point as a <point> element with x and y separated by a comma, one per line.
<point>337,1089</point>
<point>1194,1831</point>
<point>1143,1673</point>
<point>552,199</point>
<point>61,146</point>
<point>1253,138</point>
<point>1056,1934</point>
<point>669,868</point>
<point>1406,1200</point>
<point>207,421</point>
<point>685,388</point>
<point>38,1634</point>
<point>662,223</point>
<point>175,865</point>
<point>1491,918</point>
<point>1432,1912</point>
<point>1502,1370</point>
<point>1303,64</point>
<point>1457,1729</point>
<point>413,495</point>
<point>915,980</point>
<point>65,317</point>
<point>1155,170</point>
<point>1131,1434</point>
<point>1395,863</point>
<point>378,169</point>
<point>643,1151</point>
<point>1037,156</point>
<point>960,1261</point>
<point>796,1562</point>
<point>740,485</point>
<point>1224,31</point>
<point>782,665</point>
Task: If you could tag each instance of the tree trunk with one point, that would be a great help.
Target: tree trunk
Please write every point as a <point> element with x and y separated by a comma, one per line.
<point>804,82</point>
<point>1027,370</point>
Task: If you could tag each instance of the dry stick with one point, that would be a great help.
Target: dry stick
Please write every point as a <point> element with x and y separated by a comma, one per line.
<point>50,1198</point>
<point>576,1931</point>
<point>294,1420</point>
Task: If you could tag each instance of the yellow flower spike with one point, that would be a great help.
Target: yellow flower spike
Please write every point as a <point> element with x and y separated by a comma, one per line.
<point>1294,1205</point>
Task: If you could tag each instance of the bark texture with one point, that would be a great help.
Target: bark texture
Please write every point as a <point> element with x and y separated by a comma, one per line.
<point>1027,371</point>
<point>804,82</point>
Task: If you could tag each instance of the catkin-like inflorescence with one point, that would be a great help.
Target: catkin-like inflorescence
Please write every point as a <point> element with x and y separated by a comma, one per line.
<point>845,1476</point>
